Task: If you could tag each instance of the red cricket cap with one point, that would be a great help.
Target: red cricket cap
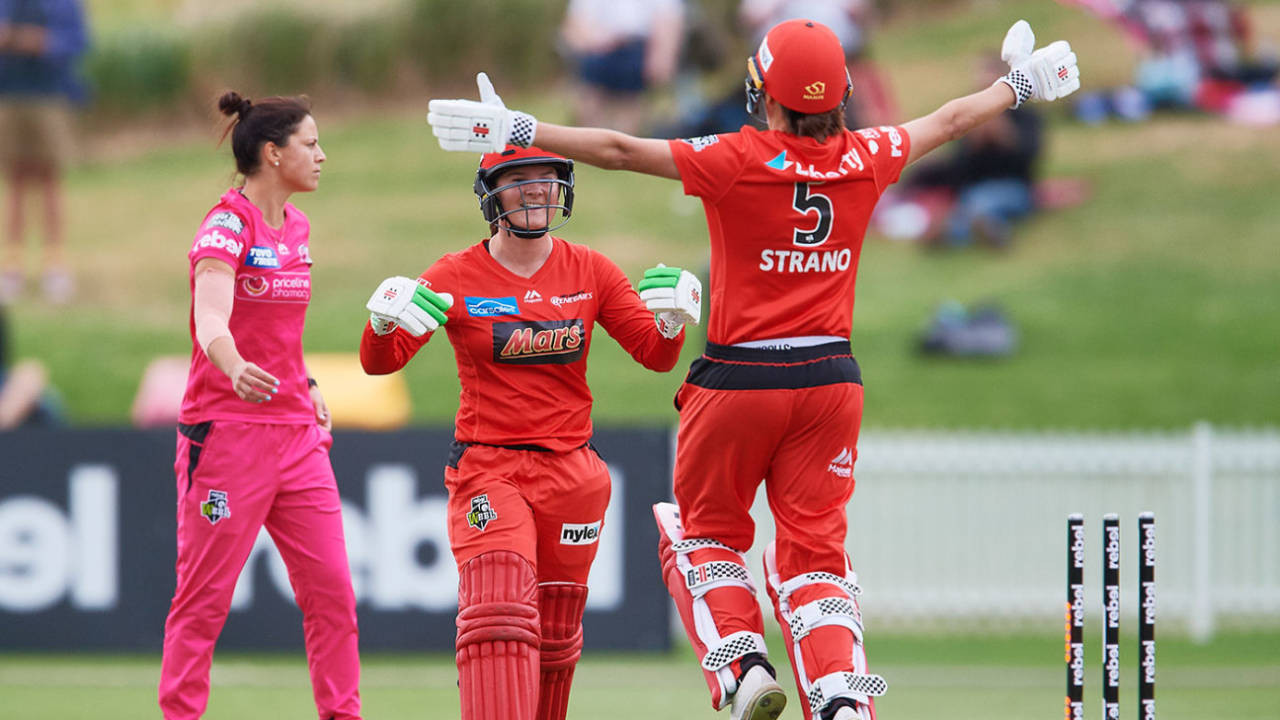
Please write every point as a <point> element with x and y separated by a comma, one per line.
<point>801,65</point>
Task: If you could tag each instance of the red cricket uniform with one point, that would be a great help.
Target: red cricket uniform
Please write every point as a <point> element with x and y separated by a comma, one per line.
<point>522,476</point>
<point>786,217</point>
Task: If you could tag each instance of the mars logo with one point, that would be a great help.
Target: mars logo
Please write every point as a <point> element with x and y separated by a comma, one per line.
<point>546,342</point>
<point>481,512</point>
<point>216,507</point>
<point>255,286</point>
<point>815,91</point>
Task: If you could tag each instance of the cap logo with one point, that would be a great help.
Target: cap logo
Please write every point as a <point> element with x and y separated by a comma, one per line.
<point>765,55</point>
<point>815,91</point>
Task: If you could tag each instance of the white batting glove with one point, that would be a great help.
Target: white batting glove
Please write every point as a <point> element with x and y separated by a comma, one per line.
<point>399,301</point>
<point>1045,74</point>
<point>675,297</point>
<point>484,127</point>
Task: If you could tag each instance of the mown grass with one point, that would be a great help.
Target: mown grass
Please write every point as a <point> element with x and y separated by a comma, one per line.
<point>1151,305</point>
<point>997,677</point>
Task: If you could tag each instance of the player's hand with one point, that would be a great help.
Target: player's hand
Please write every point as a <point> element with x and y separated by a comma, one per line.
<point>675,297</point>
<point>323,418</point>
<point>252,383</point>
<point>1045,74</point>
<point>409,304</point>
<point>485,127</point>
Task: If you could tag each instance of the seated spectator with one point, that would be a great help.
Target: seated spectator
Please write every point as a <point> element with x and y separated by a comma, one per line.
<point>987,181</point>
<point>620,49</point>
<point>26,399</point>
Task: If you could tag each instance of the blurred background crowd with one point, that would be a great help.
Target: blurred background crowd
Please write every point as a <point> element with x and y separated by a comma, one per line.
<point>93,93</point>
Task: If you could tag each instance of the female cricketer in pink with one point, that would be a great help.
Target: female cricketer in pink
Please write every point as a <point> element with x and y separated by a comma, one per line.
<point>778,394</point>
<point>253,433</point>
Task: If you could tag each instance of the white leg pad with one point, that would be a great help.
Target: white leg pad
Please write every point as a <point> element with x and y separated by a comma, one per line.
<point>716,652</point>
<point>839,610</point>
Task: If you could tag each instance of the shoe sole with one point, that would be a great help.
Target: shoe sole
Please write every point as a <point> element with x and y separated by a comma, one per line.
<point>768,705</point>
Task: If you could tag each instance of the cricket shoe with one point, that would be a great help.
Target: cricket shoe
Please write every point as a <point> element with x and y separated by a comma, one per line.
<point>759,696</point>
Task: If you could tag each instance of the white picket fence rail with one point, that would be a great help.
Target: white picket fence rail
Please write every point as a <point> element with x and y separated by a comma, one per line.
<point>956,530</point>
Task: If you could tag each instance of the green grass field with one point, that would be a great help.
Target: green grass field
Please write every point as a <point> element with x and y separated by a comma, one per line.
<point>1002,677</point>
<point>1153,305</point>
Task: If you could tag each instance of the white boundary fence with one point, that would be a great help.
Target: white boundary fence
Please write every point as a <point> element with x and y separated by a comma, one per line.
<point>957,530</point>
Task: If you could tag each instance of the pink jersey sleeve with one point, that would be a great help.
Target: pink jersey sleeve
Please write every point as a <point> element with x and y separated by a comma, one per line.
<point>888,147</point>
<point>221,236</point>
<point>708,165</point>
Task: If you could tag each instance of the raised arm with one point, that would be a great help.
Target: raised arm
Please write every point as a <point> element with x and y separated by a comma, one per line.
<point>488,126</point>
<point>1045,74</point>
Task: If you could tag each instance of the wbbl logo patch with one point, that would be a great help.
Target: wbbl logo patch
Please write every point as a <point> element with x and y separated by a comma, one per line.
<point>579,534</point>
<point>481,512</point>
<point>216,507</point>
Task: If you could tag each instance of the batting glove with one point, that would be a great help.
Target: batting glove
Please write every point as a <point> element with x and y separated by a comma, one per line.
<point>675,297</point>
<point>484,127</point>
<point>1045,74</point>
<point>399,301</point>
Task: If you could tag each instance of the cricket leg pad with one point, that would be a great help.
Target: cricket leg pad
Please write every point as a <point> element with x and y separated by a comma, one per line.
<point>560,606</point>
<point>692,568</point>
<point>822,625</point>
<point>498,637</point>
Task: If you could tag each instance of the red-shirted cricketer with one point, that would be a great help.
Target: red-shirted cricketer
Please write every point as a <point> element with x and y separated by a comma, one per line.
<point>786,212</point>
<point>527,491</point>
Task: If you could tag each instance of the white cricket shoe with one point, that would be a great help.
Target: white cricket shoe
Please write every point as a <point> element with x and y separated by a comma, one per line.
<point>759,696</point>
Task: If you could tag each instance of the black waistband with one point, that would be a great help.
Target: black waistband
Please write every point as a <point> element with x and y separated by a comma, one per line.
<point>728,367</point>
<point>456,449</point>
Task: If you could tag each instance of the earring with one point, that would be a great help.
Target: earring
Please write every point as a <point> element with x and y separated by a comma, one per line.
<point>276,163</point>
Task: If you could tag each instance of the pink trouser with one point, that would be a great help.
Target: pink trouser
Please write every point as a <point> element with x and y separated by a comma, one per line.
<point>234,478</point>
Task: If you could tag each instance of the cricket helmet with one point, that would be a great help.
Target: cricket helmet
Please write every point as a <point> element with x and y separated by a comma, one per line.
<point>493,165</point>
<point>801,64</point>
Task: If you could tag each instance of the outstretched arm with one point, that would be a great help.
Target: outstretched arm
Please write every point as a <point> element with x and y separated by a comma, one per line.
<point>956,118</point>
<point>488,126</point>
<point>609,149</point>
<point>1045,74</point>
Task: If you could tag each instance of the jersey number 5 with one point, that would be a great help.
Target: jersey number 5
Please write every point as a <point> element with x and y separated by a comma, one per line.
<point>806,203</point>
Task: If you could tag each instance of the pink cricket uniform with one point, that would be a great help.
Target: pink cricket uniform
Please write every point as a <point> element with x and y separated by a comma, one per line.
<point>241,466</point>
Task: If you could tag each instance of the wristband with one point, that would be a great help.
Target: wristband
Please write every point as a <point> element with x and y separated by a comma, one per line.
<point>311,382</point>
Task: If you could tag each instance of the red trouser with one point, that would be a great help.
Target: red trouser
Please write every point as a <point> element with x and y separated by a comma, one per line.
<point>525,526</point>
<point>234,479</point>
<point>789,419</point>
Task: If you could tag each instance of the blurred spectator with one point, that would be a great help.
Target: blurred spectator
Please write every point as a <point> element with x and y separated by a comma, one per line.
<point>987,182</point>
<point>41,42</point>
<point>957,331</point>
<point>872,102</point>
<point>26,399</point>
<point>1195,54</point>
<point>620,49</point>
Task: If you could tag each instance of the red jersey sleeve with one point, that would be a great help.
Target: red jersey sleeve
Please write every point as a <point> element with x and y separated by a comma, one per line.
<point>221,236</point>
<point>624,316</point>
<point>385,354</point>
<point>709,165</point>
<point>888,148</point>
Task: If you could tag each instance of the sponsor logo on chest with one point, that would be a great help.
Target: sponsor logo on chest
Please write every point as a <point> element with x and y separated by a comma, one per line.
<point>293,287</point>
<point>491,306</point>
<point>262,256</point>
<point>539,342</point>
